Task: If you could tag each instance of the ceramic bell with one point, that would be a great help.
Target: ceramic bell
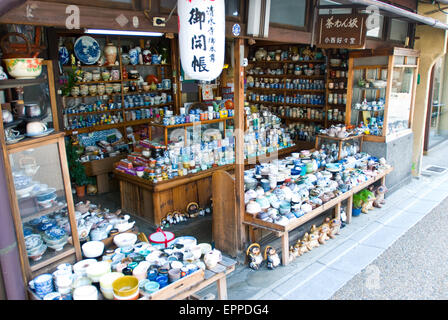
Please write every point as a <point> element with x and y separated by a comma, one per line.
<point>271,257</point>
<point>253,252</point>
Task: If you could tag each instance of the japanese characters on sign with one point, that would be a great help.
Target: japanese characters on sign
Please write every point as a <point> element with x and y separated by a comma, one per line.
<point>201,38</point>
<point>342,31</point>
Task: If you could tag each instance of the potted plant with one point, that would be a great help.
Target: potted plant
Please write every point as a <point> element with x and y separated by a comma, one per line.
<point>76,169</point>
<point>357,204</point>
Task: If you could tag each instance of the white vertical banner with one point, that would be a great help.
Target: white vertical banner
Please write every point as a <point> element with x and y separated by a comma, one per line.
<point>202,37</point>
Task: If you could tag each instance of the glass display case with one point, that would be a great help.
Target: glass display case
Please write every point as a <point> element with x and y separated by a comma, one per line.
<point>37,176</point>
<point>381,89</point>
<point>207,130</point>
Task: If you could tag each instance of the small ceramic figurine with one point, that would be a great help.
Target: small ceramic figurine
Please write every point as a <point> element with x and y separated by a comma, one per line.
<point>306,241</point>
<point>323,231</point>
<point>368,204</point>
<point>379,196</point>
<point>301,248</point>
<point>272,258</point>
<point>335,227</point>
<point>313,241</point>
<point>254,253</point>
<point>293,253</point>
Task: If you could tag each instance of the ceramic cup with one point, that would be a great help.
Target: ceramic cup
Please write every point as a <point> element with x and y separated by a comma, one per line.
<point>174,274</point>
<point>36,127</point>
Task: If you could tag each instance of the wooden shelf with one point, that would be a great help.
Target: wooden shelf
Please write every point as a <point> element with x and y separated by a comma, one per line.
<point>287,61</point>
<point>97,82</point>
<point>15,83</point>
<point>93,112</point>
<point>95,96</point>
<point>289,104</point>
<point>95,128</point>
<point>148,65</point>
<point>190,124</point>
<point>29,142</point>
<point>301,119</point>
<point>291,90</point>
<point>143,92</point>
<point>148,107</point>
<point>91,66</point>
<point>313,77</point>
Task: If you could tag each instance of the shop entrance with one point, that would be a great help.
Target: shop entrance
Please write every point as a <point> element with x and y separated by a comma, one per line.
<point>436,130</point>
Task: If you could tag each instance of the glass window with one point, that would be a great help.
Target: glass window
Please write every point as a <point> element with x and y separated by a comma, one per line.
<point>398,30</point>
<point>378,31</point>
<point>288,12</point>
<point>232,8</point>
<point>333,10</point>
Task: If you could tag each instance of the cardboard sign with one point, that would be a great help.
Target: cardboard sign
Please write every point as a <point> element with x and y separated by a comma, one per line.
<point>342,31</point>
<point>201,37</point>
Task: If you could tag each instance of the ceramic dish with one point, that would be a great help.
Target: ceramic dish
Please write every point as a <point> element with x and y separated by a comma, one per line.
<point>41,134</point>
<point>15,139</point>
<point>87,50</point>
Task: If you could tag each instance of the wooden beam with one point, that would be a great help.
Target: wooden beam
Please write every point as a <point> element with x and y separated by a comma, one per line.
<point>239,138</point>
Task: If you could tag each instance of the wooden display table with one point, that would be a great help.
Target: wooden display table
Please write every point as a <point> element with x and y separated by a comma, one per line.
<point>101,169</point>
<point>283,231</point>
<point>153,201</point>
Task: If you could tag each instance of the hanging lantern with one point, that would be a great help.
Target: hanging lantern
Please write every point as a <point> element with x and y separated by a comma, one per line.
<point>201,38</point>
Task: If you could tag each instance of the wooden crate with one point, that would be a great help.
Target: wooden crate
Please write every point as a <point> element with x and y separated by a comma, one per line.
<point>174,288</point>
<point>101,169</point>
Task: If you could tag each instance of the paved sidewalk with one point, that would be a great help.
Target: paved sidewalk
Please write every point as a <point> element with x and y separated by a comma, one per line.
<point>319,274</point>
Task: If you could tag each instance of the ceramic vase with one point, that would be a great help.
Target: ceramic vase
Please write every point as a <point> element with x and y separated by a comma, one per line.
<point>110,51</point>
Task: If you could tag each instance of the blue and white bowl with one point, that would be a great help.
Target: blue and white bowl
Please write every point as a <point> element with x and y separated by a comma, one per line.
<point>46,195</point>
<point>87,50</point>
<point>55,233</point>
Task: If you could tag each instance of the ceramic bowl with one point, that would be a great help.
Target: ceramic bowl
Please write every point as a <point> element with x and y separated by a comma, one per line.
<point>126,239</point>
<point>187,241</point>
<point>97,270</point>
<point>125,286</point>
<point>205,247</point>
<point>197,251</point>
<point>133,296</point>
<point>80,267</point>
<point>253,207</point>
<point>57,244</point>
<point>93,249</point>
<point>33,241</point>
<point>106,281</point>
<point>46,195</point>
<point>37,253</point>
<point>88,292</point>
<point>24,68</point>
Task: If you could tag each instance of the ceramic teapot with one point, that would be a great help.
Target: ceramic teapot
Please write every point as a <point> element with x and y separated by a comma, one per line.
<point>212,258</point>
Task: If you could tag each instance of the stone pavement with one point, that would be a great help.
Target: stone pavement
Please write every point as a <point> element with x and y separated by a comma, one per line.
<point>319,274</point>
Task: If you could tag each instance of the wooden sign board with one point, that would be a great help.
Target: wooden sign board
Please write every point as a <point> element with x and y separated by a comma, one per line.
<point>342,31</point>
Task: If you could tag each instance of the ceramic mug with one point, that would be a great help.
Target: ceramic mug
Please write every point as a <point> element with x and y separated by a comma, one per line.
<point>174,274</point>
<point>36,127</point>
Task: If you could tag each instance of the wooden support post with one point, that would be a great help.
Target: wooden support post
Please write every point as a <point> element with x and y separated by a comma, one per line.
<point>348,210</point>
<point>337,210</point>
<point>222,288</point>
<point>285,248</point>
<point>239,140</point>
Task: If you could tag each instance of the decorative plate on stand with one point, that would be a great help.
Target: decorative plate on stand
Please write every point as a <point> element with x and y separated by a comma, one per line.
<point>87,50</point>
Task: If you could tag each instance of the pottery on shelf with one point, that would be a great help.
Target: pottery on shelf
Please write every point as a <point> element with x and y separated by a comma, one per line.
<point>110,51</point>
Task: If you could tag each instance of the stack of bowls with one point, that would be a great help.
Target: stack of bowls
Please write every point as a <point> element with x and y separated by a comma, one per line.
<point>125,288</point>
<point>42,284</point>
<point>35,247</point>
<point>55,238</point>
<point>96,270</point>
<point>106,284</point>
<point>88,292</point>
<point>46,198</point>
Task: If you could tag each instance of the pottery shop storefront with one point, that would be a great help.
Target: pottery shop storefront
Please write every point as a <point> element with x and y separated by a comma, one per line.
<point>301,138</point>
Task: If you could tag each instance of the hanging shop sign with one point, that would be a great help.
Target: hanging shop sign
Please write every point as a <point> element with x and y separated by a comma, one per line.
<point>201,38</point>
<point>342,31</point>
